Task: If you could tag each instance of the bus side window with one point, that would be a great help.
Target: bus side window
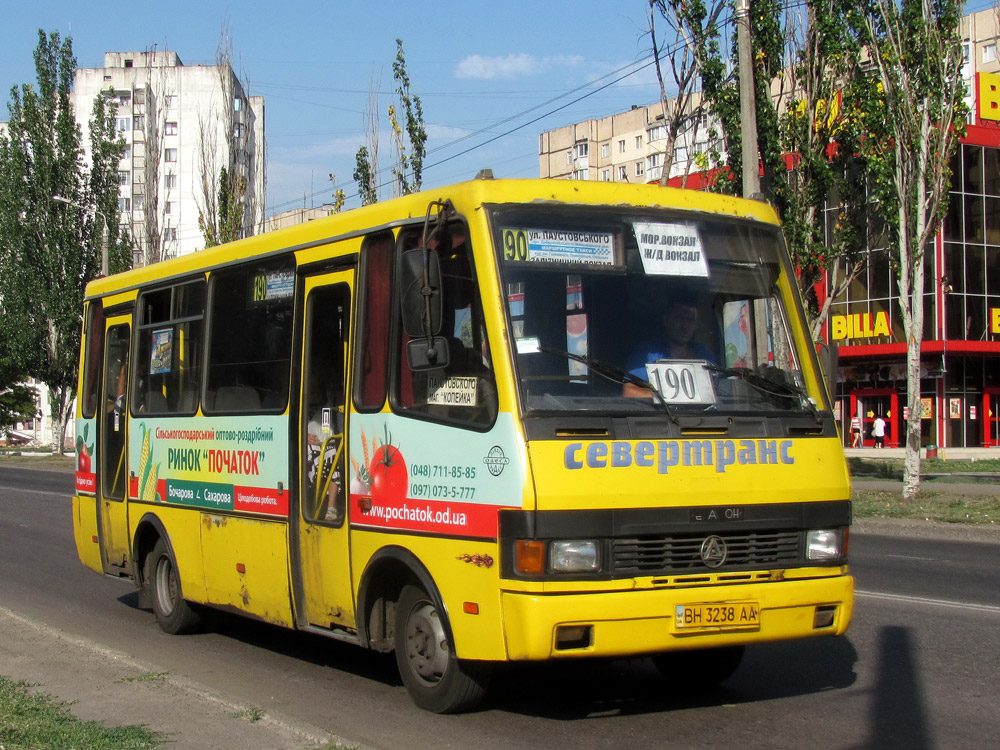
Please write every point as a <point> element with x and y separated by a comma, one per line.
<point>372,352</point>
<point>93,357</point>
<point>168,365</point>
<point>465,389</point>
<point>250,342</point>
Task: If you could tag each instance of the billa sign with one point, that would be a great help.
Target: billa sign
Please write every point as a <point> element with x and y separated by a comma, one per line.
<point>859,326</point>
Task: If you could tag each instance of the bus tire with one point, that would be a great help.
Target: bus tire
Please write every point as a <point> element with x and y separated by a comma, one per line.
<point>434,677</point>
<point>700,669</point>
<point>173,613</point>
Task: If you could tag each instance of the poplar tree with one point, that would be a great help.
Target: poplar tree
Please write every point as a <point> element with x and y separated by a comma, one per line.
<point>409,168</point>
<point>50,250</point>
<point>910,101</point>
<point>409,139</point>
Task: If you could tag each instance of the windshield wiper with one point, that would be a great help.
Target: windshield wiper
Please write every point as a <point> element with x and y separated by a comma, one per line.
<point>767,385</point>
<point>616,375</point>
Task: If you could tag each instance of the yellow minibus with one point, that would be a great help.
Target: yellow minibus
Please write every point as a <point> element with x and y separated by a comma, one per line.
<point>502,421</point>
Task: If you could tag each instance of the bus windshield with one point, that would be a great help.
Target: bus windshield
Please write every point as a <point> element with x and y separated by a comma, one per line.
<point>630,311</point>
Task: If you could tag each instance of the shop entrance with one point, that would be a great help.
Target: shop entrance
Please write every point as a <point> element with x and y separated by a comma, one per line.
<point>991,417</point>
<point>873,402</point>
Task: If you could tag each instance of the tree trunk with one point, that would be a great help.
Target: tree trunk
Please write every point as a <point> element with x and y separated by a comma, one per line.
<point>59,400</point>
<point>913,322</point>
<point>911,462</point>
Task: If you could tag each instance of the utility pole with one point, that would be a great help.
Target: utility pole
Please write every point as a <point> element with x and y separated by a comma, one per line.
<point>748,105</point>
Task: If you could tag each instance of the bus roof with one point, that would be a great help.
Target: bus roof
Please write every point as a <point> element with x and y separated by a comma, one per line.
<point>405,209</point>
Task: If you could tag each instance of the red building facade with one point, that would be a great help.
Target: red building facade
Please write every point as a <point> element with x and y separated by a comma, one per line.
<point>960,356</point>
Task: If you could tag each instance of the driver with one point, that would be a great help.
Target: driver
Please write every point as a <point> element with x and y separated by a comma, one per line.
<point>679,322</point>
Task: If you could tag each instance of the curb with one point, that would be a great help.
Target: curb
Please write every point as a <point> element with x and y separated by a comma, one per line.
<point>98,682</point>
<point>917,529</point>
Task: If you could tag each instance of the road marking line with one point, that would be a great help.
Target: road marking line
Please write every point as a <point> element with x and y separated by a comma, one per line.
<point>925,600</point>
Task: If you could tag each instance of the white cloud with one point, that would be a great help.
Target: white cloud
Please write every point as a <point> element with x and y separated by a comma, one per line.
<point>446,133</point>
<point>489,68</point>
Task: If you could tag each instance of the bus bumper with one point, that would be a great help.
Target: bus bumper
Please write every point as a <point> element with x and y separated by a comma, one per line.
<point>638,622</point>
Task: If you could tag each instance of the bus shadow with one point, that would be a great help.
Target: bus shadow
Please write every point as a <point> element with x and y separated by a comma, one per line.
<point>294,644</point>
<point>571,690</point>
<point>594,689</point>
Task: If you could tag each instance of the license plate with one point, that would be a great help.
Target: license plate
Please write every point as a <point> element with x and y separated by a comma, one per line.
<point>717,616</point>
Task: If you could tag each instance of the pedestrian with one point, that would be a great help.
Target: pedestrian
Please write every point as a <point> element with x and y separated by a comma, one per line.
<point>878,430</point>
<point>856,430</point>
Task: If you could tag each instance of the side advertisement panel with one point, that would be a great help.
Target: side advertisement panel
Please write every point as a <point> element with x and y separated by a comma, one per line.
<point>221,463</point>
<point>415,476</point>
<point>85,470</point>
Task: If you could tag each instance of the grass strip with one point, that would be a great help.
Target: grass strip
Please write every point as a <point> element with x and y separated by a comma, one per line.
<point>927,505</point>
<point>31,719</point>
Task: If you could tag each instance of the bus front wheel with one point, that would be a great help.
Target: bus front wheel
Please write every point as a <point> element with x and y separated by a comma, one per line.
<point>699,669</point>
<point>174,615</point>
<point>434,677</point>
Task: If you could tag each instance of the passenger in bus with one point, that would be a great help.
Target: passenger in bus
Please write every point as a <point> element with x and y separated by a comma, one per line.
<point>324,437</point>
<point>679,323</point>
<point>116,395</point>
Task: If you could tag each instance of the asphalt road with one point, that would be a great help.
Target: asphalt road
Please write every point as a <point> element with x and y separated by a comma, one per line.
<point>916,670</point>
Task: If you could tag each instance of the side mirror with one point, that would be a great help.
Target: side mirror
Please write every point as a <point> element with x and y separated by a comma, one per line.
<point>424,354</point>
<point>420,281</point>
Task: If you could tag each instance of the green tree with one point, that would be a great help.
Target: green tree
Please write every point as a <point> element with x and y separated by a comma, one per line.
<point>808,151</point>
<point>409,139</point>
<point>909,101</point>
<point>409,168</point>
<point>228,226</point>
<point>365,178</point>
<point>683,111</point>
<point>50,250</point>
<point>17,401</point>
<point>825,168</point>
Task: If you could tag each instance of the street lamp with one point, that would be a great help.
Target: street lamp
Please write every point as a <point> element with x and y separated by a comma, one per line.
<point>104,231</point>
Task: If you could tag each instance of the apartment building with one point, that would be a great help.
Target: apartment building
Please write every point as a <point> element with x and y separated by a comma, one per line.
<point>960,369</point>
<point>182,125</point>
<point>625,147</point>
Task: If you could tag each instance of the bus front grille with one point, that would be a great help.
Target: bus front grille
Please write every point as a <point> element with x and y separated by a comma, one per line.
<point>656,555</point>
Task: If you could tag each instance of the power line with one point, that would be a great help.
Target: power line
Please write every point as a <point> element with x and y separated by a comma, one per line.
<point>502,122</point>
<point>631,67</point>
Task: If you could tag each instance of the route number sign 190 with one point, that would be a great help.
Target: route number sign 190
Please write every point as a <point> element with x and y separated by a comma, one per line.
<point>682,381</point>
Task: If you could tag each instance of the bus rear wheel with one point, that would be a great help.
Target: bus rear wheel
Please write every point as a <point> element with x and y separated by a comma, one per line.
<point>700,669</point>
<point>173,613</point>
<point>434,677</point>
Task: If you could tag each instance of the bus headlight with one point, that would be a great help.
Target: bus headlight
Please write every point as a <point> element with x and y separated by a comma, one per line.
<point>825,544</point>
<point>576,556</point>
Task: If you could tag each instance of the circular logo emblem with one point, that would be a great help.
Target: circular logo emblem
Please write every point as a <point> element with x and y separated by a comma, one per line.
<point>713,551</point>
<point>496,460</point>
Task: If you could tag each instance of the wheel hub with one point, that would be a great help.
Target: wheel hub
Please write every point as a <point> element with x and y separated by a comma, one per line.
<point>426,643</point>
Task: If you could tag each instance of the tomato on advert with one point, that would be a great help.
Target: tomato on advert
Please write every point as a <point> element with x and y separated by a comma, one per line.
<point>388,478</point>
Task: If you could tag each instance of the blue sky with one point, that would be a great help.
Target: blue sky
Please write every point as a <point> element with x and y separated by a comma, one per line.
<point>480,69</point>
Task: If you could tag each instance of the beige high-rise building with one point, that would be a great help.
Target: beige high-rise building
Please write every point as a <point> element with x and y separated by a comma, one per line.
<point>626,147</point>
<point>182,126</point>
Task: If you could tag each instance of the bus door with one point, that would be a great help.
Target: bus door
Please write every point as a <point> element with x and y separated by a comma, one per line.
<point>112,481</point>
<point>325,592</point>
